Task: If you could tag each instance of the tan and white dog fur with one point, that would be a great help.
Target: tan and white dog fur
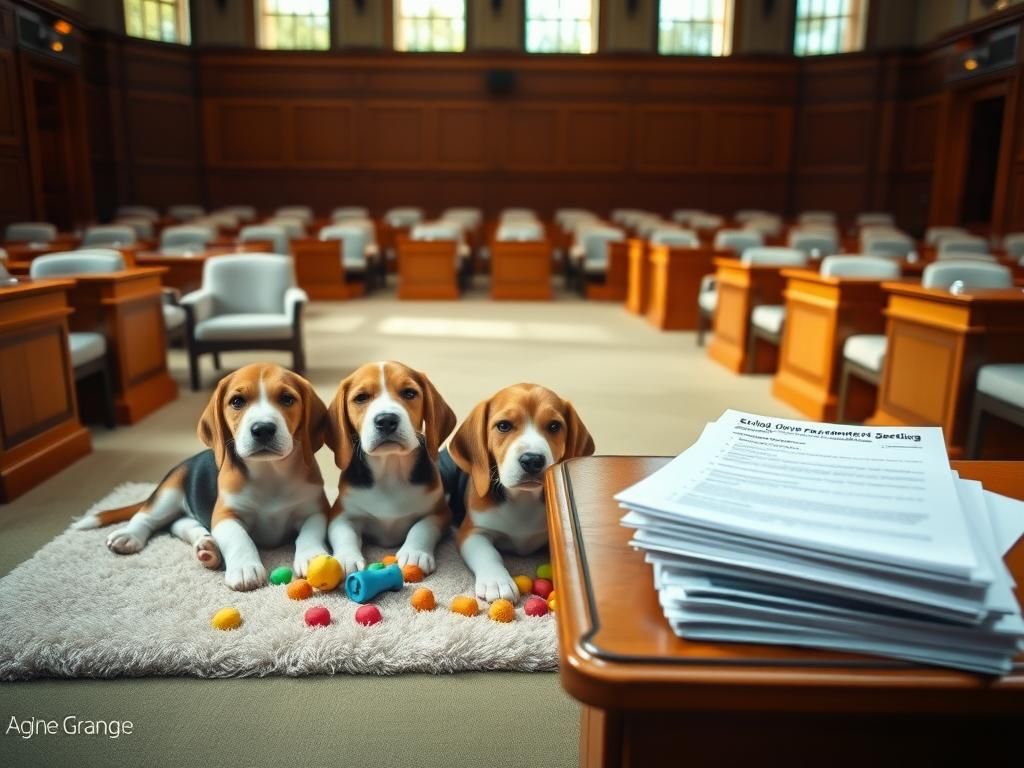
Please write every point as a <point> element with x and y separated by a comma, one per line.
<point>386,424</point>
<point>504,449</point>
<point>257,486</point>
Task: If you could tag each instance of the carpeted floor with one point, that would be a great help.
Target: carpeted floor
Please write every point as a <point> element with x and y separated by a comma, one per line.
<point>638,390</point>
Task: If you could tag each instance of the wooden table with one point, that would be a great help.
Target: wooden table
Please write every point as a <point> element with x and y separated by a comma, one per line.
<point>40,433</point>
<point>22,251</point>
<point>675,283</point>
<point>821,313</point>
<point>185,272</point>
<point>936,343</point>
<point>741,287</point>
<point>652,699</point>
<point>127,308</point>
<point>521,270</point>
<point>320,272</point>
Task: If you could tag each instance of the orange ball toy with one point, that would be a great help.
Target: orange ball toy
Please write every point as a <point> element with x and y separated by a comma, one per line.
<point>412,573</point>
<point>467,606</point>
<point>300,589</point>
<point>502,611</point>
<point>389,559</point>
<point>525,585</point>
<point>423,600</point>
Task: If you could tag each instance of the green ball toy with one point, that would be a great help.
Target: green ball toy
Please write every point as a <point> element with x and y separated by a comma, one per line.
<point>375,566</point>
<point>544,571</point>
<point>281,575</point>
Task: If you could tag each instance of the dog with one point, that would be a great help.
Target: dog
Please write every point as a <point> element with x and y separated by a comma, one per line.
<point>386,425</point>
<point>257,484</point>
<point>493,473</point>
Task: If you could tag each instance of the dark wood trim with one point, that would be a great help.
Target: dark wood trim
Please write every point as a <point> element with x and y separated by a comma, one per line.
<point>984,24</point>
<point>739,7</point>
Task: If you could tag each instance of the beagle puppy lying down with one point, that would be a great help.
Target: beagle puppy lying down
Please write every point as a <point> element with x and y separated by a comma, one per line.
<point>493,473</point>
<point>385,426</point>
<point>256,485</point>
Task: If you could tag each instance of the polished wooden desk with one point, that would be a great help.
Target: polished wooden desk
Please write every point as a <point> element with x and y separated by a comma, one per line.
<point>427,269</point>
<point>638,277</point>
<point>521,270</point>
<point>185,271</point>
<point>652,699</point>
<point>821,313</point>
<point>40,433</point>
<point>319,270</point>
<point>127,308</point>
<point>936,344</point>
<point>741,287</point>
<point>616,276</point>
<point>25,251</point>
<point>675,283</point>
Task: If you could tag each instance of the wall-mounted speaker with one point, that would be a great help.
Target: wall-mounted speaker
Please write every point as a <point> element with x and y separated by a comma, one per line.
<point>500,82</point>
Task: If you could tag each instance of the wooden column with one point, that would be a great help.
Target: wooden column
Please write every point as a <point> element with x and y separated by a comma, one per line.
<point>675,282</point>
<point>936,344</point>
<point>741,287</point>
<point>821,313</point>
<point>40,433</point>
<point>521,271</point>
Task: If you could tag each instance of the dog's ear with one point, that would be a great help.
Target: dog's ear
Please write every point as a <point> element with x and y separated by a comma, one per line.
<point>438,418</point>
<point>338,429</point>
<point>578,441</point>
<point>468,449</point>
<point>314,420</point>
<point>213,428</point>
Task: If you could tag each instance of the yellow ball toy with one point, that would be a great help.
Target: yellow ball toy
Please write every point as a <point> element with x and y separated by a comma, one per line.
<point>502,610</point>
<point>467,606</point>
<point>325,573</point>
<point>525,584</point>
<point>551,602</point>
<point>226,618</point>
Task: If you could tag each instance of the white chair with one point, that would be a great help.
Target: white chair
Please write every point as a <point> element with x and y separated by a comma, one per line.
<point>114,235</point>
<point>143,227</point>
<point>30,232</point>
<point>864,354</point>
<point>683,215</point>
<point>677,237</point>
<point>294,228</point>
<point>355,241</point>
<point>815,243</point>
<point>887,244</point>
<point>816,217</point>
<point>3,258</point>
<point>403,217</point>
<point>246,302</point>
<point>443,230</point>
<point>301,212</point>
<point>347,212</point>
<point>706,221</point>
<point>737,240</point>
<point>768,226</point>
<point>273,233</point>
<point>522,230</point>
<point>185,239</point>
<point>244,213</point>
<point>469,217</point>
<point>961,244</point>
<point>933,235</point>
<point>567,218</point>
<point>185,212</point>
<point>1014,245</point>
<point>999,392</point>
<point>590,255</point>
<point>517,213</point>
<point>874,219</point>
<point>218,221</point>
<point>125,211</point>
<point>744,215</point>
<point>874,267</point>
<point>766,319</point>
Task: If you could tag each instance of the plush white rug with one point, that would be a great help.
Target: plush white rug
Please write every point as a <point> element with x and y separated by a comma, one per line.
<point>77,610</point>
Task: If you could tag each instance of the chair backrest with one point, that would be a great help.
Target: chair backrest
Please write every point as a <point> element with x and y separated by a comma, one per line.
<point>875,219</point>
<point>354,239</point>
<point>860,266</point>
<point>244,284</point>
<point>403,216</point>
<point>240,212</point>
<point>138,210</point>
<point>962,244</point>
<point>84,262</point>
<point>675,236</point>
<point>521,230</point>
<point>186,236</point>
<point>1014,245</point>
<point>275,234</point>
<point>470,217</point>
<point>683,215</point>
<point>3,254</point>
<point>437,230</point>
<point>185,212</point>
<point>738,240</point>
<point>769,226</point>
<point>972,274</point>
<point>30,232</point>
<point>816,217</point>
<point>774,256</point>
<point>595,243</point>
<point>570,218</point>
<point>648,224</point>
<point>345,212</point>
<point>933,235</point>
<point>110,234</point>
<point>513,212</point>
<point>294,228</point>
<point>889,244</point>
<point>143,227</point>
<point>217,221</point>
<point>706,221</point>
<point>964,256</point>
<point>744,215</point>
<point>301,212</point>
<point>815,243</point>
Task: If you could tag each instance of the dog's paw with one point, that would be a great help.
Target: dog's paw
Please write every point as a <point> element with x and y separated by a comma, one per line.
<point>207,553</point>
<point>302,557</point>
<point>124,542</point>
<point>410,556</point>
<point>351,561</point>
<point>245,576</point>
<point>496,584</point>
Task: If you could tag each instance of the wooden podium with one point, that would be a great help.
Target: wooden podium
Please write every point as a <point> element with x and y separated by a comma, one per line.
<point>741,287</point>
<point>936,343</point>
<point>521,270</point>
<point>675,283</point>
<point>651,699</point>
<point>127,308</point>
<point>320,272</point>
<point>821,313</point>
<point>427,269</point>
<point>40,433</point>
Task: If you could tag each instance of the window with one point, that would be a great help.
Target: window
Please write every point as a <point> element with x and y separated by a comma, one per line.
<point>829,26</point>
<point>164,20</point>
<point>561,26</point>
<point>695,27</point>
<point>430,25</point>
<point>294,24</point>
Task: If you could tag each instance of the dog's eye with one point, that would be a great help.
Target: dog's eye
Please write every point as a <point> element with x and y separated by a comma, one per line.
<point>503,426</point>
<point>555,426</point>
<point>287,400</point>
<point>409,393</point>
<point>361,398</point>
<point>237,402</point>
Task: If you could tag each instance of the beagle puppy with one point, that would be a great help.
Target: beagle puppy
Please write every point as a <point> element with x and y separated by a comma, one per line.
<point>493,473</point>
<point>255,486</point>
<point>385,426</point>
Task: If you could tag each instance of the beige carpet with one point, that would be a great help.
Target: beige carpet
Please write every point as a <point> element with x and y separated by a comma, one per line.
<point>640,391</point>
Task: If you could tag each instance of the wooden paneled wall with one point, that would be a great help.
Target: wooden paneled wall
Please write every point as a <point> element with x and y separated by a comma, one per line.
<point>15,177</point>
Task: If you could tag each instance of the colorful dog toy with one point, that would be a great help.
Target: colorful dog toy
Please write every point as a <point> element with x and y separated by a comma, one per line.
<point>412,573</point>
<point>281,575</point>
<point>318,616</point>
<point>467,606</point>
<point>535,606</point>
<point>525,584</point>
<point>363,586</point>
<point>544,571</point>
<point>389,559</point>
<point>543,588</point>
<point>300,589</point>
<point>502,610</point>
<point>423,600</point>
<point>374,566</point>
<point>226,618</point>
<point>368,615</point>
<point>552,602</point>
<point>325,573</point>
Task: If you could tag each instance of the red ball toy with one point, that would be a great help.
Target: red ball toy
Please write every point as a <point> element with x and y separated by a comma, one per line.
<point>535,606</point>
<point>543,588</point>
<point>368,615</point>
<point>318,616</point>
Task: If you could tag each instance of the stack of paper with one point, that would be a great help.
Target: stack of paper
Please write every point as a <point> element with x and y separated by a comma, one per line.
<point>846,538</point>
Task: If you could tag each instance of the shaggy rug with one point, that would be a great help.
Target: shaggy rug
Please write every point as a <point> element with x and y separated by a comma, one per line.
<point>77,610</point>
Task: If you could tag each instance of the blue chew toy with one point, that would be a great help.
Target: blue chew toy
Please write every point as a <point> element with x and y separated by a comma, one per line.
<point>363,586</point>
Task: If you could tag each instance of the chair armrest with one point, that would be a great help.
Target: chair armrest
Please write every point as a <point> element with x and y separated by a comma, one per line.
<point>294,298</point>
<point>171,296</point>
<point>707,283</point>
<point>198,304</point>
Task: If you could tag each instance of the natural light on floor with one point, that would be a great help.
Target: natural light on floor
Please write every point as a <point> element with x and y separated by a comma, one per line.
<point>494,329</point>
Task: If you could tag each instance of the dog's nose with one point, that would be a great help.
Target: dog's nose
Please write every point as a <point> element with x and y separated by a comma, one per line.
<point>532,462</point>
<point>264,431</point>
<point>386,422</point>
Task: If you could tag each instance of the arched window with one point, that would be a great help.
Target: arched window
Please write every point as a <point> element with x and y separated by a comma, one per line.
<point>561,26</point>
<point>430,25</point>
<point>695,27</point>
<point>829,26</point>
<point>163,20</point>
<point>294,24</point>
